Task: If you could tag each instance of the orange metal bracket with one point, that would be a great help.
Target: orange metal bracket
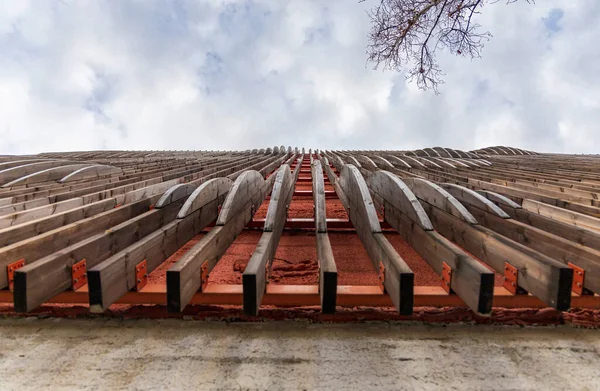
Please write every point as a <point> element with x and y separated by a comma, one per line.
<point>204,275</point>
<point>79,274</point>
<point>151,207</point>
<point>118,205</point>
<point>382,276</point>
<point>141,275</point>
<point>511,280</point>
<point>578,280</point>
<point>446,277</point>
<point>10,269</point>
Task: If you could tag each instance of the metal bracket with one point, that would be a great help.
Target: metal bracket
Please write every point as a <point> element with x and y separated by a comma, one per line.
<point>141,275</point>
<point>118,205</point>
<point>578,280</point>
<point>446,277</point>
<point>10,269</point>
<point>511,280</point>
<point>151,207</point>
<point>204,275</point>
<point>382,276</point>
<point>79,274</point>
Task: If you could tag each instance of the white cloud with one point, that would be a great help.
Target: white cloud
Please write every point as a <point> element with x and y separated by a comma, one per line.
<point>237,75</point>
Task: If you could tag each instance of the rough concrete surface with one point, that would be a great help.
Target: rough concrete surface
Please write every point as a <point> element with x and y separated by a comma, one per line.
<point>114,354</point>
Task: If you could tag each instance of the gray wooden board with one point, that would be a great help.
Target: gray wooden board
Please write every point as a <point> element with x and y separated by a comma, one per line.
<point>399,278</point>
<point>544,277</point>
<point>39,281</point>
<point>183,278</point>
<point>37,247</point>
<point>254,278</point>
<point>554,246</point>
<point>112,278</point>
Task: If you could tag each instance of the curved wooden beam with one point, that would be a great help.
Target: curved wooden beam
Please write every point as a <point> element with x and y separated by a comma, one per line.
<point>398,161</point>
<point>382,162</point>
<point>90,172</point>
<point>472,281</point>
<point>473,198</point>
<point>398,277</point>
<point>395,192</point>
<point>247,190</point>
<point>47,175</point>
<point>499,199</point>
<point>175,193</point>
<point>10,174</point>
<point>440,198</point>
<point>184,277</point>
<point>203,194</point>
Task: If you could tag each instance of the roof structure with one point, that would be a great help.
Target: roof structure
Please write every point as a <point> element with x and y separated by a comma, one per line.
<point>494,227</point>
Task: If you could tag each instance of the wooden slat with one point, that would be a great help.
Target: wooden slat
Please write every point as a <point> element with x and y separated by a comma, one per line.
<point>255,275</point>
<point>473,282</point>
<point>399,278</point>
<point>111,279</point>
<point>183,278</point>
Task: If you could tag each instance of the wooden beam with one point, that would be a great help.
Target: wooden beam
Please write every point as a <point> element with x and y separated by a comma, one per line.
<point>114,277</point>
<point>544,277</point>
<point>472,281</point>
<point>255,276</point>
<point>184,277</point>
<point>398,277</point>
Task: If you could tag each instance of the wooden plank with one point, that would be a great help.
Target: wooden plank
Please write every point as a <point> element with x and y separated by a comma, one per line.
<point>325,259</point>
<point>564,215</point>
<point>42,245</point>
<point>585,237</point>
<point>399,278</point>
<point>114,277</point>
<point>255,276</point>
<point>472,281</point>
<point>546,243</point>
<point>544,277</point>
<point>183,278</point>
<point>39,281</point>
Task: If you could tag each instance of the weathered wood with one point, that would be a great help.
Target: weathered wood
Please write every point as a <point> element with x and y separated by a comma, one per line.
<point>470,197</point>
<point>49,174</point>
<point>585,237</point>
<point>390,188</point>
<point>327,267</point>
<point>544,277</point>
<point>548,244</point>
<point>39,246</point>
<point>440,198</point>
<point>177,192</point>
<point>567,216</point>
<point>255,276</point>
<point>39,281</point>
<point>111,279</point>
<point>499,199</point>
<point>399,278</point>
<point>10,174</point>
<point>183,278</point>
<point>470,279</point>
<point>93,171</point>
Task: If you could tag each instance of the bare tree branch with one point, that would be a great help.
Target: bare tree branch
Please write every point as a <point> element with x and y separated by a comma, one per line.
<point>405,35</point>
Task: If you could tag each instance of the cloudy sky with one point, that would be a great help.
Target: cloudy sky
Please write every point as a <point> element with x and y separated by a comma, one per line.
<point>81,75</point>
